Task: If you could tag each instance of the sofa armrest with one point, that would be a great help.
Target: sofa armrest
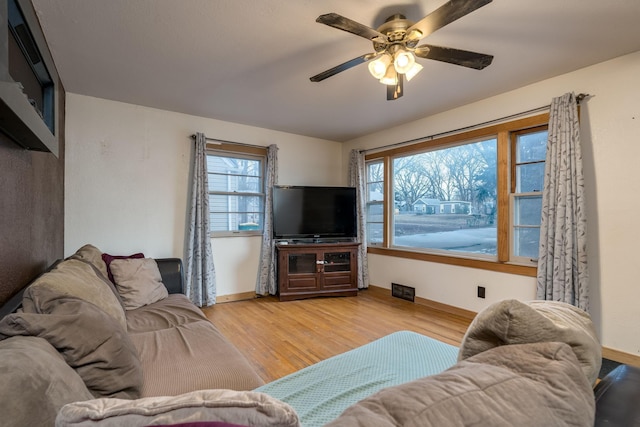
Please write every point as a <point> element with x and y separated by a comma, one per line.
<point>172,274</point>
<point>617,397</point>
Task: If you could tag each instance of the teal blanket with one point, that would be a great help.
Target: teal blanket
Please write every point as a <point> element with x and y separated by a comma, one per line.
<point>319,393</point>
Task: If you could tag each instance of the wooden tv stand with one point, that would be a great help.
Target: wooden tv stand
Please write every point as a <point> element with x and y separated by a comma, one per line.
<point>317,269</point>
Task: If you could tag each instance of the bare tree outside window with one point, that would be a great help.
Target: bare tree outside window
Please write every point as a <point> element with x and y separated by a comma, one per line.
<point>446,199</point>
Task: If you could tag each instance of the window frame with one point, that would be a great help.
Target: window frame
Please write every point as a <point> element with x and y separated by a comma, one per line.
<point>502,132</point>
<point>241,152</point>
<point>382,202</point>
<point>514,194</point>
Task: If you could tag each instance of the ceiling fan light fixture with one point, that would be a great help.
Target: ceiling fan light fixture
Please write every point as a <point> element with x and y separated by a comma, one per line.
<point>390,78</point>
<point>415,69</point>
<point>403,61</point>
<point>378,67</point>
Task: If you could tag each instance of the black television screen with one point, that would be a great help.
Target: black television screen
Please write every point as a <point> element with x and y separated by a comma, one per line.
<point>314,212</point>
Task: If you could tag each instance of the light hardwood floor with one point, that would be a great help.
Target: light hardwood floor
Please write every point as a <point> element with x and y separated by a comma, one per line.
<point>279,338</point>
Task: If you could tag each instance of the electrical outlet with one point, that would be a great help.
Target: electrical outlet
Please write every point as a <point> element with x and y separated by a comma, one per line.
<point>481,291</point>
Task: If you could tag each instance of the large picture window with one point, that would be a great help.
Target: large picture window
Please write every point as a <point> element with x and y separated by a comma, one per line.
<point>236,192</point>
<point>445,199</point>
<point>471,199</point>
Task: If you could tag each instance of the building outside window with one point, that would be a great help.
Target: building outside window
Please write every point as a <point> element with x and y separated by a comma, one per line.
<point>236,192</point>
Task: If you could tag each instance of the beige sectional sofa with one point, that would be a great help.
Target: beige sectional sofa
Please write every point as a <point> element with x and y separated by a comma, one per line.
<point>78,336</point>
<point>77,349</point>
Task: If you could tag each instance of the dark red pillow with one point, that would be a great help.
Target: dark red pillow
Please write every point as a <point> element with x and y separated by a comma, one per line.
<point>108,258</point>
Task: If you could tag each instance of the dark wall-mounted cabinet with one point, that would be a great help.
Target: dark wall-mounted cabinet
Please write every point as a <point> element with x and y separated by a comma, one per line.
<point>28,80</point>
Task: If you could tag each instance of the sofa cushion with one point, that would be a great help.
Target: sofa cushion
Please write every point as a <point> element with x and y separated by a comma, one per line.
<point>36,382</point>
<point>138,281</point>
<point>174,310</point>
<point>108,259</point>
<point>515,322</point>
<point>183,359</point>
<point>91,342</point>
<point>245,408</point>
<point>73,277</point>
<point>92,255</point>
<point>538,384</point>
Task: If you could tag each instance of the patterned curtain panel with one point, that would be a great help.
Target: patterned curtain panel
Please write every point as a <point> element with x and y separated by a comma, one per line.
<point>357,178</point>
<point>200,280</point>
<point>266,283</point>
<point>562,260</point>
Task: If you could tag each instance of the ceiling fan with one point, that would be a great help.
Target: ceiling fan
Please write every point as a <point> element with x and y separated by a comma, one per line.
<point>395,45</point>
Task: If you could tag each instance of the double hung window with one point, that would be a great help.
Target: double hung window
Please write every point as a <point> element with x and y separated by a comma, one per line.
<point>529,152</point>
<point>236,192</point>
<point>375,202</point>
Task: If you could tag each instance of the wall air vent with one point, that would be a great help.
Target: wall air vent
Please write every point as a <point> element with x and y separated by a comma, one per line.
<point>403,292</point>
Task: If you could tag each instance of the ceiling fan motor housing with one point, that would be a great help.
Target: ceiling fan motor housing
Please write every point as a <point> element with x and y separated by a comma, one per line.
<point>395,28</point>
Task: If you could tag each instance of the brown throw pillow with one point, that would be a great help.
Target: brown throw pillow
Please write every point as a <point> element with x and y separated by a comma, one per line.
<point>91,342</point>
<point>138,281</point>
<point>108,259</point>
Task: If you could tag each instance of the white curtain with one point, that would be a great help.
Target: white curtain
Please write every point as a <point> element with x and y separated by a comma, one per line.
<point>266,283</point>
<point>562,259</point>
<point>200,276</point>
<point>358,179</point>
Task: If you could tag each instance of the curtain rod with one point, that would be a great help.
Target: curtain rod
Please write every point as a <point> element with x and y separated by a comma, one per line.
<point>579,98</point>
<point>224,141</point>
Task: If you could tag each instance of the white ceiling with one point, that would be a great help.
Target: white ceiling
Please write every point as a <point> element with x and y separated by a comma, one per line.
<point>249,62</point>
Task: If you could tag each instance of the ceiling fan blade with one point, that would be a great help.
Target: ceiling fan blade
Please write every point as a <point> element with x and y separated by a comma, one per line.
<point>444,15</point>
<point>397,90</point>
<point>464,58</point>
<point>345,24</point>
<point>342,67</point>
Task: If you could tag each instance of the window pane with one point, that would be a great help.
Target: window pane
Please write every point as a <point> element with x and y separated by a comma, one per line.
<point>232,212</point>
<point>529,177</point>
<point>446,199</point>
<point>234,183</point>
<point>532,147</point>
<point>527,210</point>
<point>374,212</point>
<point>375,192</point>
<point>233,165</point>
<point>526,242</point>
<point>223,221</point>
<point>375,172</point>
<point>374,232</point>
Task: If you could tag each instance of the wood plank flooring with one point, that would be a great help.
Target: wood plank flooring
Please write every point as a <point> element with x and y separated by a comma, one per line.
<point>279,338</point>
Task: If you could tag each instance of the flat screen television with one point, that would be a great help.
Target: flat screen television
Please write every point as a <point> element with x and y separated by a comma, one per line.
<point>305,212</point>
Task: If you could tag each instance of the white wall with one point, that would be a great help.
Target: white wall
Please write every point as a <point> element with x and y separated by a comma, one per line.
<point>127,175</point>
<point>610,130</point>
